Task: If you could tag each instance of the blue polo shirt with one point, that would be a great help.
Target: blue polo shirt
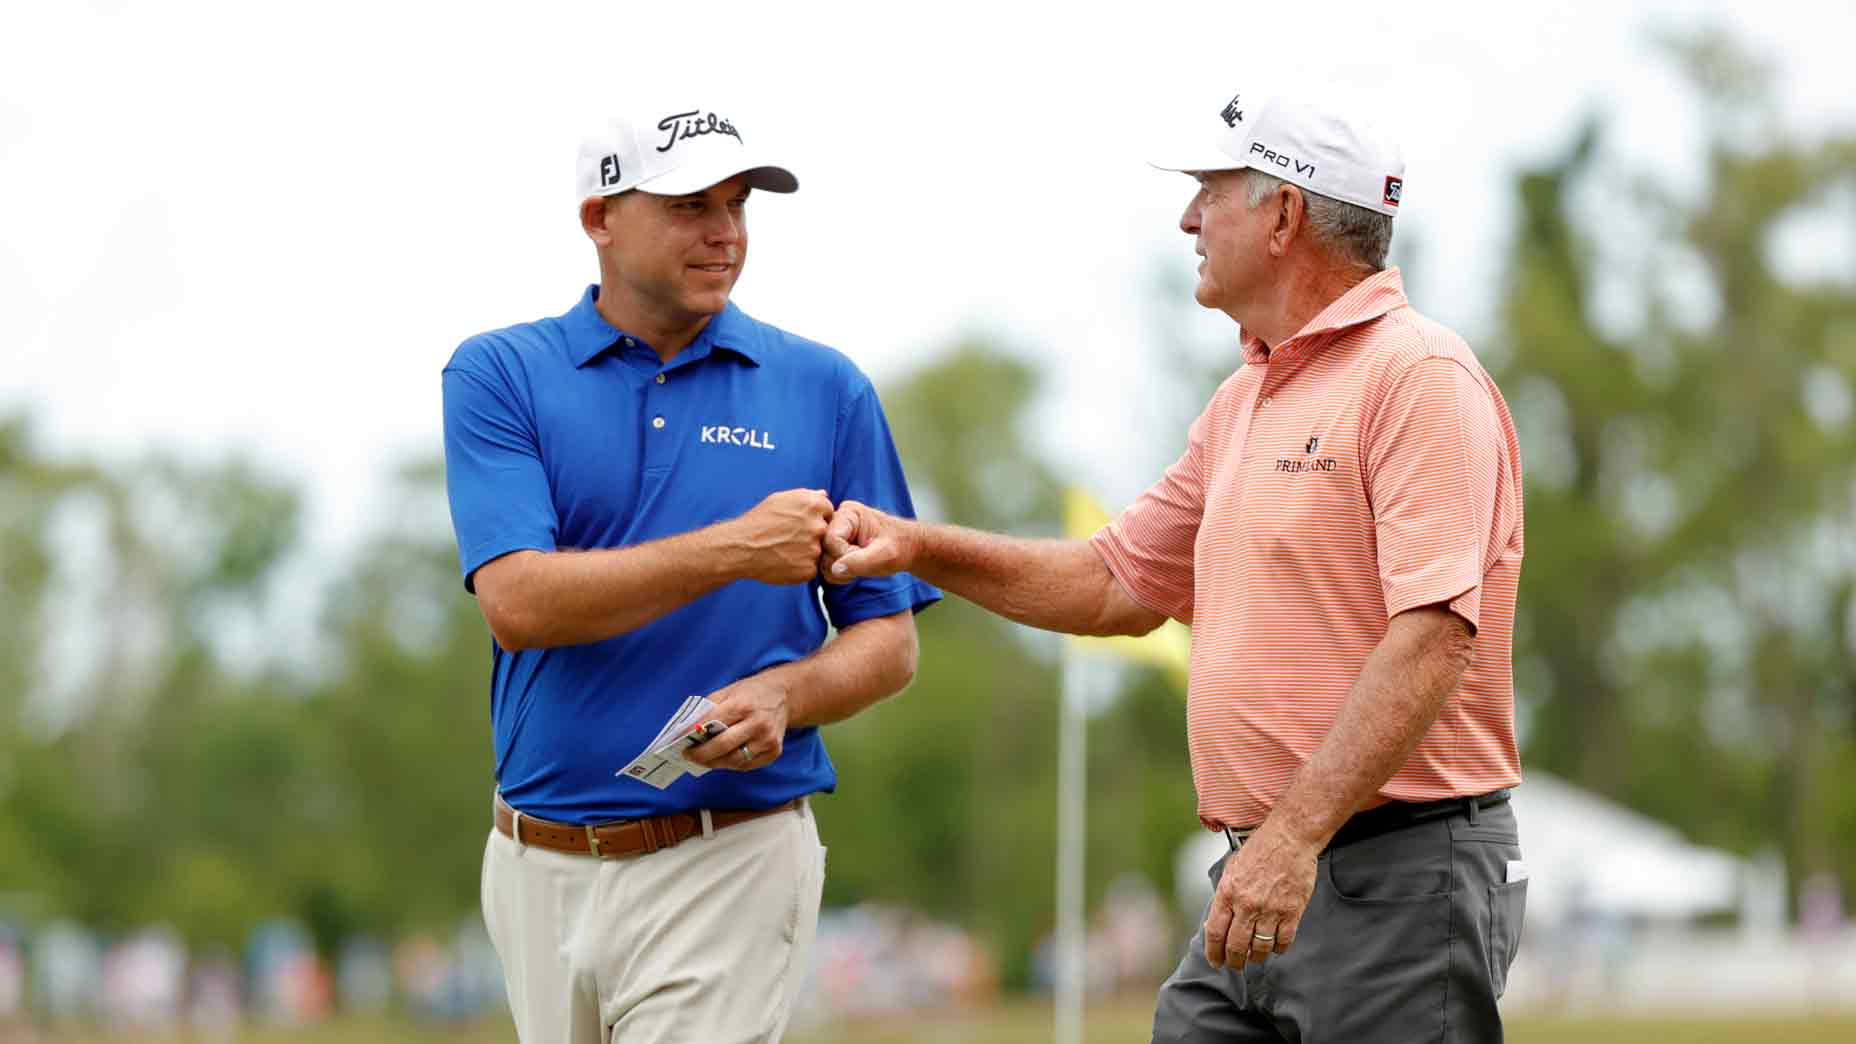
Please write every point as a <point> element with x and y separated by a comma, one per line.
<point>569,433</point>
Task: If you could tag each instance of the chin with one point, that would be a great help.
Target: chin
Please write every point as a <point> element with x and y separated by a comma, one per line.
<point>707,302</point>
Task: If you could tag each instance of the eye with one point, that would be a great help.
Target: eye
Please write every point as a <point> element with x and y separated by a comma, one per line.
<point>687,205</point>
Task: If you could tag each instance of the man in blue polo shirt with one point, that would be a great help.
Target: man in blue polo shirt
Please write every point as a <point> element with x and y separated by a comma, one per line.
<point>639,489</point>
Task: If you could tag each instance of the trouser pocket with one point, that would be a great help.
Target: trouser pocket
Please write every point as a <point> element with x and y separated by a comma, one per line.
<point>1507,910</point>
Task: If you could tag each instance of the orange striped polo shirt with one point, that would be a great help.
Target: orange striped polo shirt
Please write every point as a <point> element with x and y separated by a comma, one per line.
<point>1363,467</point>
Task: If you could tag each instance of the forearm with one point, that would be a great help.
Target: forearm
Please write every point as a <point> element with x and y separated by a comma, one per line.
<point>1404,684</point>
<point>574,597</point>
<point>1056,585</point>
<point>867,662</point>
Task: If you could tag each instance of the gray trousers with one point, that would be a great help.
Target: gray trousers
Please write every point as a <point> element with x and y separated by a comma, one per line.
<point>1407,938</point>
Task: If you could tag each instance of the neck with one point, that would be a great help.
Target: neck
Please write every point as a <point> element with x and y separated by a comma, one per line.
<point>666,332</point>
<point>1306,288</point>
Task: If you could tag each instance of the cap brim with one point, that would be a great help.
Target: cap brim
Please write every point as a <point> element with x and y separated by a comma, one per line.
<point>1192,159</point>
<point>695,177</point>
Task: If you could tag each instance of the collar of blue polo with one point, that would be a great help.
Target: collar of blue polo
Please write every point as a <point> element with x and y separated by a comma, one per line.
<point>589,334</point>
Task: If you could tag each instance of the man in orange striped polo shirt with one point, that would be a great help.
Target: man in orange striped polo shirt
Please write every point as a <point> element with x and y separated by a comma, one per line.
<point>1343,534</point>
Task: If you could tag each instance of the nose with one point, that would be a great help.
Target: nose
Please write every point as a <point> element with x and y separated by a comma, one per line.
<point>1189,221</point>
<point>725,227</point>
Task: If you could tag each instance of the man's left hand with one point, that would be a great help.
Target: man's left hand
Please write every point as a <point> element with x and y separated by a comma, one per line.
<point>1260,899</point>
<point>755,711</point>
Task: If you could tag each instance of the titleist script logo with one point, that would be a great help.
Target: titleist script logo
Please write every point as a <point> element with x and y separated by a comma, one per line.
<point>1395,187</point>
<point>727,436</point>
<point>1270,155</point>
<point>682,126</point>
<point>1232,115</point>
<point>608,171</point>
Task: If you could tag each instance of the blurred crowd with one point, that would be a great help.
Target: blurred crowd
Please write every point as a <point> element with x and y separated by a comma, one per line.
<point>149,980</point>
<point>876,960</point>
<point>869,960</point>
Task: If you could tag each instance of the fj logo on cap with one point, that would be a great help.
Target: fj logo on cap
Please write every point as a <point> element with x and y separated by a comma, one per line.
<point>608,171</point>
<point>1232,114</point>
<point>1395,187</point>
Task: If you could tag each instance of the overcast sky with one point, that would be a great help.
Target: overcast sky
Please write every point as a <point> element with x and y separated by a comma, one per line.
<point>266,226</point>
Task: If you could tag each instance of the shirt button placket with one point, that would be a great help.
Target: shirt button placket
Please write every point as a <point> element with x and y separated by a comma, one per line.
<point>660,450</point>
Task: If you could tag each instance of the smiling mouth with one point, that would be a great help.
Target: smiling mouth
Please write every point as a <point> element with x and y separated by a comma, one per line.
<point>717,268</point>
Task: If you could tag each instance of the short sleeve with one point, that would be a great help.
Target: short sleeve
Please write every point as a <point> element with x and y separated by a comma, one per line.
<point>1149,548</point>
<point>866,468</point>
<point>1432,465</point>
<point>494,478</point>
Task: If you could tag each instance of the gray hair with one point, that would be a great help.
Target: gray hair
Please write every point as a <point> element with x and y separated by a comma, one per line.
<point>1355,233</point>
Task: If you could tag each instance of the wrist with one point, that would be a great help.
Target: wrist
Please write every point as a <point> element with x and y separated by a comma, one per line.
<point>1299,832</point>
<point>724,546</point>
<point>911,542</point>
<point>781,680</point>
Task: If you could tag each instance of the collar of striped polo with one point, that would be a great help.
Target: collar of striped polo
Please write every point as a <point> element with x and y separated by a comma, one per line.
<point>1371,298</point>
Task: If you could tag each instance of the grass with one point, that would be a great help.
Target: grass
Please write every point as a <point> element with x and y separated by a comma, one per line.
<point>1132,1020</point>
<point>1120,1021</point>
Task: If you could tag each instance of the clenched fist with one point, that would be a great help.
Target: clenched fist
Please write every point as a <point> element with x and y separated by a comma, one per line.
<point>780,539</point>
<point>863,541</point>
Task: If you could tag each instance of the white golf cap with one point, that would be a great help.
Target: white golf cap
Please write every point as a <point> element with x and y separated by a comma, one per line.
<point>1303,143</point>
<point>672,153</point>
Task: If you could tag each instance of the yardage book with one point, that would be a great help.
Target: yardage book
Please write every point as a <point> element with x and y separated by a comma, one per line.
<point>662,762</point>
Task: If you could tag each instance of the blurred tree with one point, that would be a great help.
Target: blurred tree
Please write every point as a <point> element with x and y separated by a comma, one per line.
<point>947,799</point>
<point>123,581</point>
<point>29,488</point>
<point>1684,639</point>
<point>403,730</point>
<point>946,796</point>
<point>170,749</point>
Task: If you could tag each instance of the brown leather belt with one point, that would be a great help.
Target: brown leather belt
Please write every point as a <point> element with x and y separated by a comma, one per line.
<point>624,837</point>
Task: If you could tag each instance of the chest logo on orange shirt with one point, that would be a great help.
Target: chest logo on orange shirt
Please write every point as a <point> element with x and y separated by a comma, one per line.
<point>1308,461</point>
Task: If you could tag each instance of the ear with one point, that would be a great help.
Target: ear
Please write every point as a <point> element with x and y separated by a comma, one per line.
<point>1292,210</point>
<point>593,219</point>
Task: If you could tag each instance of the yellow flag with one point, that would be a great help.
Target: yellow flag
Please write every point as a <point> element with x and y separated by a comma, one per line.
<point>1168,646</point>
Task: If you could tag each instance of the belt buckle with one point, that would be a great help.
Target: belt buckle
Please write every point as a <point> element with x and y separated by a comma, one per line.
<point>592,839</point>
<point>1236,838</point>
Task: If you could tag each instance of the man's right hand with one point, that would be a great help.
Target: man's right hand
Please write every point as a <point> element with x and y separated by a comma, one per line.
<point>782,536</point>
<point>863,541</point>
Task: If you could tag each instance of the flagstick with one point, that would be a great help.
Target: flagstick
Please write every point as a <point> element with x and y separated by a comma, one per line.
<point>1087,677</point>
<point>1071,796</point>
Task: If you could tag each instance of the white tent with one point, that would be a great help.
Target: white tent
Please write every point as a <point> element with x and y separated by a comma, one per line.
<point>1591,854</point>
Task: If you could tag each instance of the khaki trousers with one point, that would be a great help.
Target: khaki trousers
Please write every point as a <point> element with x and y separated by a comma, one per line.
<point>706,941</point>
